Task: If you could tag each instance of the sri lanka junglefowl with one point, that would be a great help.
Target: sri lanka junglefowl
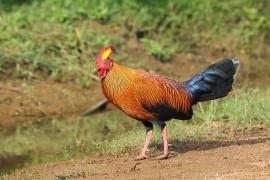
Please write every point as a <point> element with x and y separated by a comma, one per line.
<point>151,98</point>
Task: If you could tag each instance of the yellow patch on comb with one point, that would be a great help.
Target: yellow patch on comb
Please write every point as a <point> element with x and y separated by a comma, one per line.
<point>106,53</point>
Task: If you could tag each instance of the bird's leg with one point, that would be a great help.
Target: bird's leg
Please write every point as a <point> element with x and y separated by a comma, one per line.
<point>148,138</point>
<point>165,154</point>
<point>149,135</point>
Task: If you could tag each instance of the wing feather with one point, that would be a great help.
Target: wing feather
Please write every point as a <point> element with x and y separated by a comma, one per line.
<point>163,97</point>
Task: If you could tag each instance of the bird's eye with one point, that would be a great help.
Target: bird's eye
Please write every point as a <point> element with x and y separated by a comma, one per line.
<point>106,62</point>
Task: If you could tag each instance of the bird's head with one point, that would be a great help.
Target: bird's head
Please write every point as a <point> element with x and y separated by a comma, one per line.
<point>103,62</point>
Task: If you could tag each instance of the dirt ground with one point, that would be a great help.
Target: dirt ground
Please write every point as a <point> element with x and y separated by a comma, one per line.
<point>247,156</point>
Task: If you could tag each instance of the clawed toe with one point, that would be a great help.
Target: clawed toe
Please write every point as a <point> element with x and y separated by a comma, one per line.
<point>161,157</point>
<point>141,157</point>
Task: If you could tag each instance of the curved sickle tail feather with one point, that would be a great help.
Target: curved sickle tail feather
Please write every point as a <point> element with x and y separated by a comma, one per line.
<point>96,108</point>
<point>214,82</point>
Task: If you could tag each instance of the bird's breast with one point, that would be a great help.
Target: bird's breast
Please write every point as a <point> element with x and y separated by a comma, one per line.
<point>121,91</point>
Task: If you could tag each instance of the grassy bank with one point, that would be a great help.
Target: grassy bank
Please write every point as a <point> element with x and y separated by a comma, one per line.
<point>114,132</point>
<point>58,39</point>
<point>242,110</point>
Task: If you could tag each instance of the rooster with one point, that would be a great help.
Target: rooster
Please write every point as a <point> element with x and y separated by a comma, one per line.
<point>151,98</point>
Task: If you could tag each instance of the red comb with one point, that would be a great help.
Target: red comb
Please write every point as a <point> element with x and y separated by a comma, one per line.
<point>105,53</point>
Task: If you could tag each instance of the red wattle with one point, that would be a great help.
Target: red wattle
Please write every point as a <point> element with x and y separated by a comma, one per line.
<point>102,73</point>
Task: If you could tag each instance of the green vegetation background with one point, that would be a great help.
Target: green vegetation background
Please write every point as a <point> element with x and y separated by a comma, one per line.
<point>59,40</point>
<point>53,39</point>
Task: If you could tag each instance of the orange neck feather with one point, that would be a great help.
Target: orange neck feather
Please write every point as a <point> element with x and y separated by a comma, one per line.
<point>118,79</point>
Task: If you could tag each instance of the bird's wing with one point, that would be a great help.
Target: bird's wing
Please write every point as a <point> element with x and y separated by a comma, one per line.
<point>164,97</point>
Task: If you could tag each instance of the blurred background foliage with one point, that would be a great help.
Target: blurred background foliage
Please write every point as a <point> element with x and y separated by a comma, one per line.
<point>53,38</point>
<point>58,40</point>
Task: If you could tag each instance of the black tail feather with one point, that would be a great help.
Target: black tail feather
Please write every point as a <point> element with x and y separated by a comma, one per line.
<point>214,82</point>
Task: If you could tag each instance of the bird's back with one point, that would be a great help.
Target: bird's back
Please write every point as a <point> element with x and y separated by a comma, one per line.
<point>144,96</point>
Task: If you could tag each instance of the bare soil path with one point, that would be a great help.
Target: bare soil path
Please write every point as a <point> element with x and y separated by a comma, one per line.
<point>245,157</point>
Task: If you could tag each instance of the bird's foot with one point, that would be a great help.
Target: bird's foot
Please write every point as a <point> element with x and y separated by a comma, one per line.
<point>141,157</point>
<point>161,157</point>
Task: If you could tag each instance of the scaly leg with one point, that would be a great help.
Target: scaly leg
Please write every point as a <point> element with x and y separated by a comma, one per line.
<point>149,135</point>
<point>165,154</point>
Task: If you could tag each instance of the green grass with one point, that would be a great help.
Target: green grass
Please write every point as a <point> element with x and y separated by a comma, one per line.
<point>114,132</point>
<point>52,39</point>
<point>240,111</point>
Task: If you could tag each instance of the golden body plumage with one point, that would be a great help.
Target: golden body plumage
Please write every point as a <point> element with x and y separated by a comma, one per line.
<point>145,96</point>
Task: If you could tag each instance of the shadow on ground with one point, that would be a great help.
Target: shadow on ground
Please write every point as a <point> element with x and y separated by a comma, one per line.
<point>9,162</point>
<point>178,147</point>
